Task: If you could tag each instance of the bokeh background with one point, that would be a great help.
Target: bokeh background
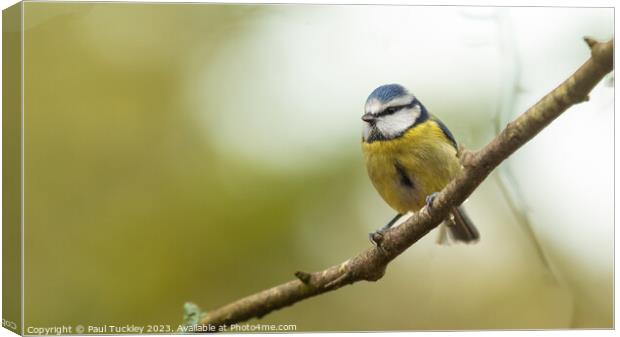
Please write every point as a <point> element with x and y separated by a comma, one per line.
<point>200,152</point>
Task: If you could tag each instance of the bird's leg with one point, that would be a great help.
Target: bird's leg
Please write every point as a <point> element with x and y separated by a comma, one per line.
<point>384,228</point>
<point>391,223</point>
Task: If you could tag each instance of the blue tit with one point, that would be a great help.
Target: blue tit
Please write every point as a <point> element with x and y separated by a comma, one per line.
<point>410,155</point>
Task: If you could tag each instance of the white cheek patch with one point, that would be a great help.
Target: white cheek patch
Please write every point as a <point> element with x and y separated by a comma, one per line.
<point>395,124</point>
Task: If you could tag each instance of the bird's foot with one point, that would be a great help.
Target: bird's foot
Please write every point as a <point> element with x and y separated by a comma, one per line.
<point>376,237</point>
<point>430,198</point>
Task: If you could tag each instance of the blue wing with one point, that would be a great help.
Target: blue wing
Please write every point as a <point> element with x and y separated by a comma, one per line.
<point>446,132</point>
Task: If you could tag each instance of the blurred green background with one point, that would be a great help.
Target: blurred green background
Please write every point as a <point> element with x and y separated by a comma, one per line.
<point>193,152</point>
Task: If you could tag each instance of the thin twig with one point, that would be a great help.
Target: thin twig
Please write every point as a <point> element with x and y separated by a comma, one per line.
<point>370,265</point>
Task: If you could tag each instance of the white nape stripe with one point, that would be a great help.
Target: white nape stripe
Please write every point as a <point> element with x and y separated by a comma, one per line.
<point>404,100</point>
<point>374,106</point>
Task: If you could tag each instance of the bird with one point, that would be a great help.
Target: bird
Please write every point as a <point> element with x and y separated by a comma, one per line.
<point>410,156</point>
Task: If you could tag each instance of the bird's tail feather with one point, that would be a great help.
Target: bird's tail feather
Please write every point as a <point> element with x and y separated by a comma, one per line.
<point>461,227</point>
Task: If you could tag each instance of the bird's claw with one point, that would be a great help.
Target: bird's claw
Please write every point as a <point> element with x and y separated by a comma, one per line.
<point>430,198</point>
<point>376,237</point>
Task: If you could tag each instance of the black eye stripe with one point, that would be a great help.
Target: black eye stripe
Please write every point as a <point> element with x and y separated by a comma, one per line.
<point>390,110</point>
<point>393,109</point>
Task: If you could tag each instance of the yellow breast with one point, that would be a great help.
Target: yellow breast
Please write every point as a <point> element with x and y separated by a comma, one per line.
<point>406,169</point>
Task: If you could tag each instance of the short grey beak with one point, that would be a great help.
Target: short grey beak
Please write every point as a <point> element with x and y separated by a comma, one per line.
<point>368,118</point>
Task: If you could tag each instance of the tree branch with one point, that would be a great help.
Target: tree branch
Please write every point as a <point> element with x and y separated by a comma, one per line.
<point>370,265</point>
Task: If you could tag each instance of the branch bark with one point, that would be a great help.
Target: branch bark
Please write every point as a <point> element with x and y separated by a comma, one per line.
<point>371,264</point>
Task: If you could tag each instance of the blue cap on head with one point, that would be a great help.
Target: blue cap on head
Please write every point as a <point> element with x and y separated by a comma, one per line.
<point>387,92</point>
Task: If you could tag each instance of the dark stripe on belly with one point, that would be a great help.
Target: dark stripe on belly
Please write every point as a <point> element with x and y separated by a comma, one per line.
<point>403,178</point>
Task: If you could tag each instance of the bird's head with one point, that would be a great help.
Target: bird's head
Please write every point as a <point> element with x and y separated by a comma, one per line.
<point>390,110</point>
